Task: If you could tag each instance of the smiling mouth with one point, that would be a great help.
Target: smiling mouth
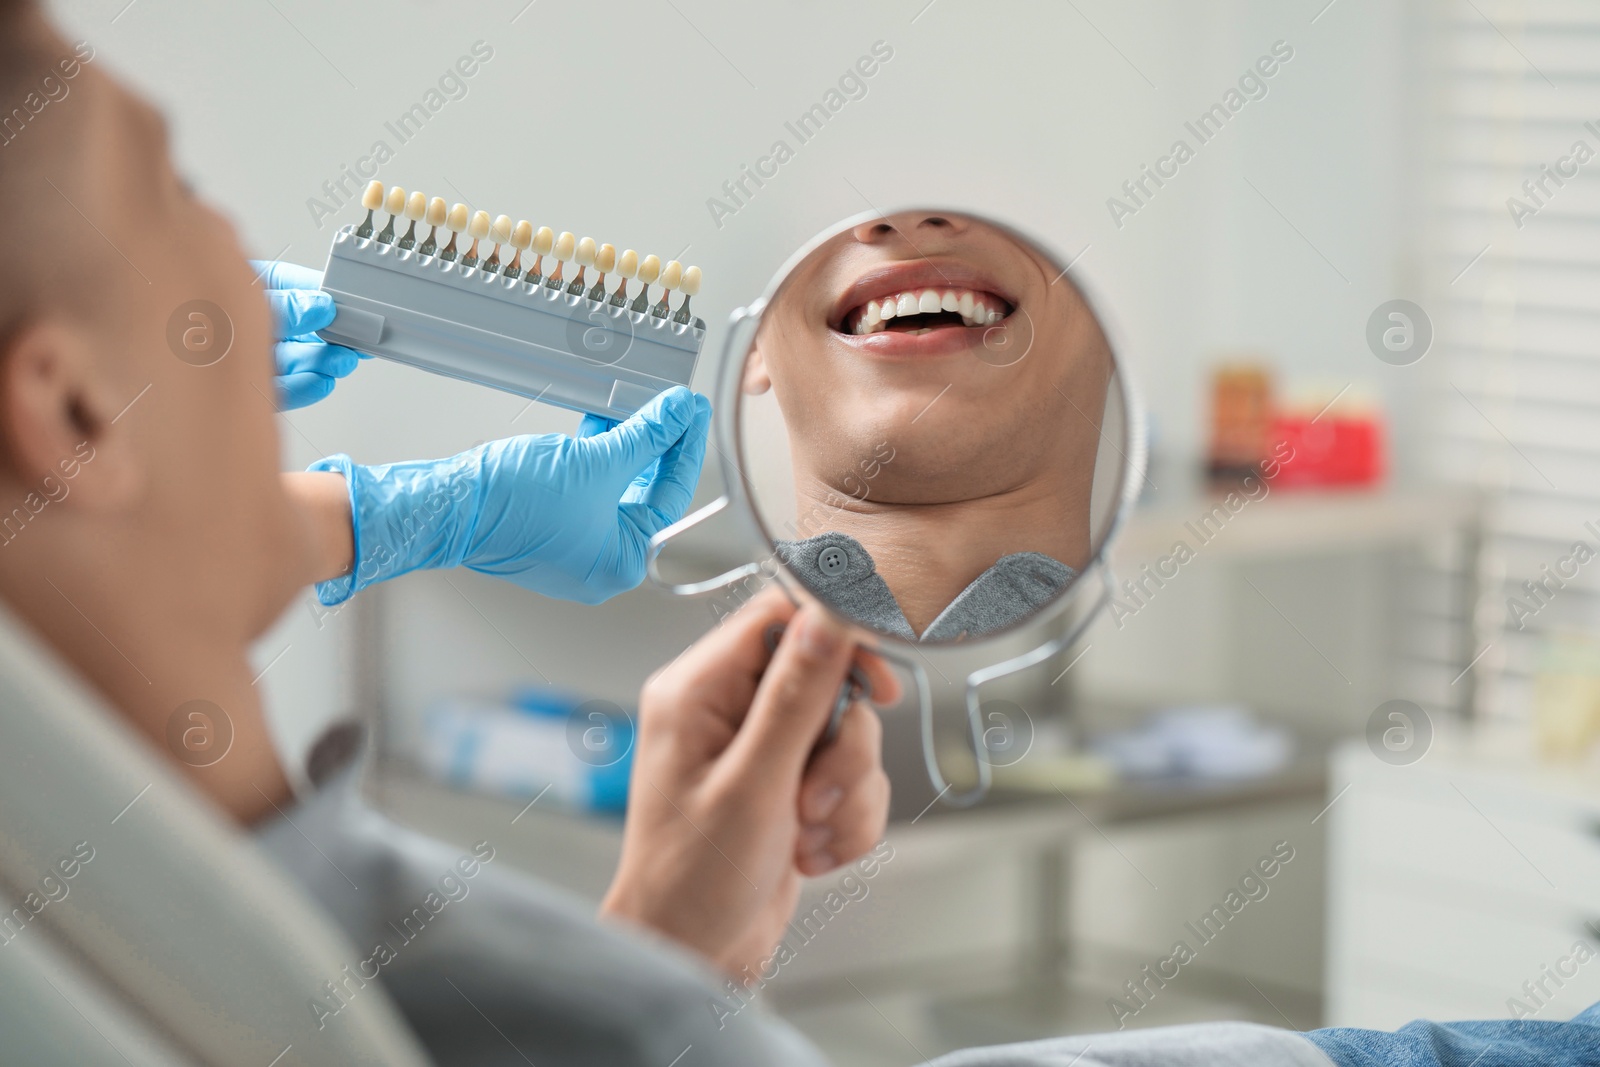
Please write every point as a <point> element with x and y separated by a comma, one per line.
<point>921,311</point>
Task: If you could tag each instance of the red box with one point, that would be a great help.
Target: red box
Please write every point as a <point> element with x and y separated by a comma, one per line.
<point>1333,450</point>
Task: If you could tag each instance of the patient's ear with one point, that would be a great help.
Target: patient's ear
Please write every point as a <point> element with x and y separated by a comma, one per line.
<point>756,380</point>
<point>60,418</point>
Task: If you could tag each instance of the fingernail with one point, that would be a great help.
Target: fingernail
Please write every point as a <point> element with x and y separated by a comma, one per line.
<point>814,838</point>
<point>821,803</point>
<point>818,638</point>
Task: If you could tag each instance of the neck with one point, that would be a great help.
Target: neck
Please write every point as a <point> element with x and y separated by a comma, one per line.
<point>928,553</point>
<point>135,638</point>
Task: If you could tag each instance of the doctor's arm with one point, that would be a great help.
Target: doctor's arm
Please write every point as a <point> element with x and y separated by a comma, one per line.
<point>567,516</point>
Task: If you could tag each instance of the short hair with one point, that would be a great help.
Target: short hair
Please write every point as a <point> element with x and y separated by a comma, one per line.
<point>35,150</point>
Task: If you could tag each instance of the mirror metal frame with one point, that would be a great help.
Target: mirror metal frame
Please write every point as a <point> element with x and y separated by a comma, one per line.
<point>743,322</point>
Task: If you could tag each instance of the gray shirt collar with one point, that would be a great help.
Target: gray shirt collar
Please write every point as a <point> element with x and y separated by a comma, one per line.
<point>1012,590</point>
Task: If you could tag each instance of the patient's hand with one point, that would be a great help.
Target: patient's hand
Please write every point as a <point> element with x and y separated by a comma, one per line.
<point>728,809</point>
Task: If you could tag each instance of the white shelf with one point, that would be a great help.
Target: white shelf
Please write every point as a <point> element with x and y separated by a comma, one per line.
<point>1289,522</point>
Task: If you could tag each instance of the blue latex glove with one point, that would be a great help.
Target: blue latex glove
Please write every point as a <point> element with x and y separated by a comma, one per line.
<point>306,366</point>
<point>569,517</point>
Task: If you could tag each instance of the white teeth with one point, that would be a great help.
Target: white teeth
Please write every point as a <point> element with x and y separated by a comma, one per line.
<point>970,305</point>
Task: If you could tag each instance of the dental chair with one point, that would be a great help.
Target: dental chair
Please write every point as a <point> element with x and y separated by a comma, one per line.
<point>141,927</point>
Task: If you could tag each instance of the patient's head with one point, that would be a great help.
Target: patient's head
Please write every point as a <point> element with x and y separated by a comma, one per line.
<point>999,384</point>
<point>140,507</point>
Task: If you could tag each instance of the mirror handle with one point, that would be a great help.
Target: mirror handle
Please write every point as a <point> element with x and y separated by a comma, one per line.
<point>659,541</point>
<point>1016,664</point>
<point>930,756</point>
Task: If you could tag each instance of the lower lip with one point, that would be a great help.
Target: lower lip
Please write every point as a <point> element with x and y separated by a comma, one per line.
<point>944,341</point>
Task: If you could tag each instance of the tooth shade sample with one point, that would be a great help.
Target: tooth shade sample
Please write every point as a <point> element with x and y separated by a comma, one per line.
<point>456,220</point>
<point>372,200</point>
<point>689,285</point>
<point>544,240</point>
<point>477,229</point>
<point>499,234</point>
<point>649,269</point>
<point>671,275</point>
<point>434,217</point>
<point>416,207</point>
<point>606,259</point>
<point>566,245</point>
<point>583,255</point>
<point>521,237</point>
<point>628,265</point>
<point>395,205</point>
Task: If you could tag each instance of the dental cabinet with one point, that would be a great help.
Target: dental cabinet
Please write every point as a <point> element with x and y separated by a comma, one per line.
<point>1465,885</point>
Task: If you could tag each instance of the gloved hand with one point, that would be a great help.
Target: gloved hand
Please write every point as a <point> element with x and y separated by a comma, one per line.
<point>569,517</point>
<point>306,365</point>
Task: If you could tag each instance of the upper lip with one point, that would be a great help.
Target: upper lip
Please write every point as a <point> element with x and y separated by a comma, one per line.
<point>895,278</point>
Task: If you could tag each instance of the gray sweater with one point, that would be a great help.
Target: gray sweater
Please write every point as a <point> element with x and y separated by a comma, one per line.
<point>494,968</point>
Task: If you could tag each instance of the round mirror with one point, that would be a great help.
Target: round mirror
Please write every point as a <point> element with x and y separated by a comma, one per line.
<point>932,426</point>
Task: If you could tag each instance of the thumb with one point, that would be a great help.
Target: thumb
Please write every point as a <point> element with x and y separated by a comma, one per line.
<point>645,435</point>
<point>794,698</point>
<point>670,491</point>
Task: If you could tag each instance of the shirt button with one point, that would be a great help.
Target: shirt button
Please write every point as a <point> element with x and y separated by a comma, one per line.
<point>832,561</point>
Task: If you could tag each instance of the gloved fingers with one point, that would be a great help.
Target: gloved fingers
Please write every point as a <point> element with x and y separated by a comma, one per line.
<point>638,490</point>
<point>332,361</point>
<point>645,435</point>
<point>595,424</point>
<point>302,389</point>
<point>298,312</point>
<point>276,274</point>
<point>667,496</point>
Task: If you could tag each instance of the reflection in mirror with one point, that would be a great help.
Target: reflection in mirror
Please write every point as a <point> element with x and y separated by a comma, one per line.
<point>926,405</point>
